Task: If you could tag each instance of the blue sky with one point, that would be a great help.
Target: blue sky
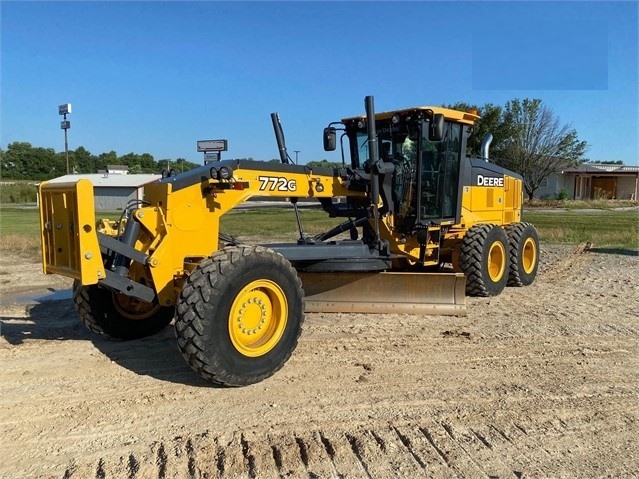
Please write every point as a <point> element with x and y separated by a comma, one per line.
<point>155,77</point>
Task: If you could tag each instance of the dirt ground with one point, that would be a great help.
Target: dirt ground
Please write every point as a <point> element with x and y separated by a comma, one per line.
<point>538,382</point>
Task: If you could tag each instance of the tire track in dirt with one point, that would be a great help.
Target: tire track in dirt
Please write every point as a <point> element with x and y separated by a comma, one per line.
<point>438,449</point>
<point>431,449</point>
<point>569,266</point>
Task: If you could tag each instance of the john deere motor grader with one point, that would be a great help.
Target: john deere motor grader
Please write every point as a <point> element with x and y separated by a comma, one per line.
<point>408,202</point>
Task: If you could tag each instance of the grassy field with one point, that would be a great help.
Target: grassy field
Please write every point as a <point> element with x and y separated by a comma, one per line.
<point>602,228</point>
<point>17,191</point>
<point>19,227</point>
<point>598,204</point>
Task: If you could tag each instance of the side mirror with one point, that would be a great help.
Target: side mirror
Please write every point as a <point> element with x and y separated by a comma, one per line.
<point>330,141</point>
<point>436,128</point>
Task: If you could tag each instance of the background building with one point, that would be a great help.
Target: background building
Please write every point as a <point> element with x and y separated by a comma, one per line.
<point>112,191</point>
<point>589,181</point>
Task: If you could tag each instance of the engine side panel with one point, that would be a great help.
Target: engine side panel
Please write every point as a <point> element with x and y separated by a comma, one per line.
<point>490,194</point>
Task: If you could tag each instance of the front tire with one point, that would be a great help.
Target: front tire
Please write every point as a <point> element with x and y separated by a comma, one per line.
<point>484,260</point>
<point>524,253</point>
<point>239,315</point>
<point>117,316</point>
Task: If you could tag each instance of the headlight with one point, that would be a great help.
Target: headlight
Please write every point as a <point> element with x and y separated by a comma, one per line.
<point>225,173</point>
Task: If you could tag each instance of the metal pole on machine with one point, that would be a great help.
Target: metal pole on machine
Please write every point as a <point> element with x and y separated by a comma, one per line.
<point>373,154</point>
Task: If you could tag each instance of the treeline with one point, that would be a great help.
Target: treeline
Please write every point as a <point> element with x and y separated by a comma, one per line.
<point>22,161</point>
<point>528,138</point>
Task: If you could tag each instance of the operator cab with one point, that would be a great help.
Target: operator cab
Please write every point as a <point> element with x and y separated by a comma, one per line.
<point>425,145</point>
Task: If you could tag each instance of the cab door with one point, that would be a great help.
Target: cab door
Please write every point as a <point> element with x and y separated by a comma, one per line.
<point>439,175</point>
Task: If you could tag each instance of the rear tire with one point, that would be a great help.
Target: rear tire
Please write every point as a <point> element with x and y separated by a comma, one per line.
<point>239,315</point>
<point>117,316</point>
<point>524,253</point>
<point>484,260</point>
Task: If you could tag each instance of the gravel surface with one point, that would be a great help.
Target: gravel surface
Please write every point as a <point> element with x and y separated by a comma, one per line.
<point>540,381</point>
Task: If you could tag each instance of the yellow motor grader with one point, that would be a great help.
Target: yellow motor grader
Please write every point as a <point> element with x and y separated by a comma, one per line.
<point>407,203</point>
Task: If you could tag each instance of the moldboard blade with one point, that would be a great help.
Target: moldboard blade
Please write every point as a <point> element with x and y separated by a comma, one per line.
<point>386,292</point>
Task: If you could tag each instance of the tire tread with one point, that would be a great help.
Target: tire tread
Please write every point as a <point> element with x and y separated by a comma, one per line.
<point>191,315</point>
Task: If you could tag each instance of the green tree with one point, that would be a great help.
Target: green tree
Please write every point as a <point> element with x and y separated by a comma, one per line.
<point>324,164</point>
<point>147,162</point>
<point>85,162</point>
<point>22,161</point>
<point>15,160</point>
<point>61,162</point>
<point>181,164</point>
<point>104,159</point>
<point>538,144</point>
<point>490,122</point>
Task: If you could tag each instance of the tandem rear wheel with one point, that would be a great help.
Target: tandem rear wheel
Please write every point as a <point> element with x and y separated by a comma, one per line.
<point>524,253</point>
<point>239,315</point>
<point>485,260</point>
<point>492,257</point>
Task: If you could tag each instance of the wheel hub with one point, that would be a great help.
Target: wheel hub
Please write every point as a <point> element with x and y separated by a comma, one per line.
<point>257,318</point>
<point>529,256</point>
<point>253,313</point>
<point>496,261</point>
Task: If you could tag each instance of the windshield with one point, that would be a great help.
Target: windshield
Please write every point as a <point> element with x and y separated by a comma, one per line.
<point>394,144</point>
<point>434,194</point>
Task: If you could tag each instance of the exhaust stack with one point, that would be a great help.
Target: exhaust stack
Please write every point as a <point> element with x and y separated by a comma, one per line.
<point>485,145</point>
<point>279,136</point>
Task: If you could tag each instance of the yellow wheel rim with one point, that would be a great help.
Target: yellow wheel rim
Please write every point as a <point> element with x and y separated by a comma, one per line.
<point>529,256</point>
<point>133,308</point>
<point>258,318</point>
<point>496,261</point>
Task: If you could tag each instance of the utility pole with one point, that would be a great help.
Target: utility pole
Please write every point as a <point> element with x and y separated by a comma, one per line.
<point>296,153</point>
<point>65,125</point>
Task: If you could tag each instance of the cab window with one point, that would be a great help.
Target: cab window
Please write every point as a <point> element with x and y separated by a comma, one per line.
<point>440,173</point>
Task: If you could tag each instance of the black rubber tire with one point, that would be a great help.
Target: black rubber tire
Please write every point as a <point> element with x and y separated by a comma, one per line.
<point>118,317</point>
<point>208,306</point>
<point>483,248</point>
<point>524,253</point>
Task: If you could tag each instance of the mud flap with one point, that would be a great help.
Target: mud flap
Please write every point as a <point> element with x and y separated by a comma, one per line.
<point>386,292</point>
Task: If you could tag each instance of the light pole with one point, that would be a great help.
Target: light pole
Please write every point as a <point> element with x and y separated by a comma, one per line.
<point>296,153</point>
<point>65,125</point>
